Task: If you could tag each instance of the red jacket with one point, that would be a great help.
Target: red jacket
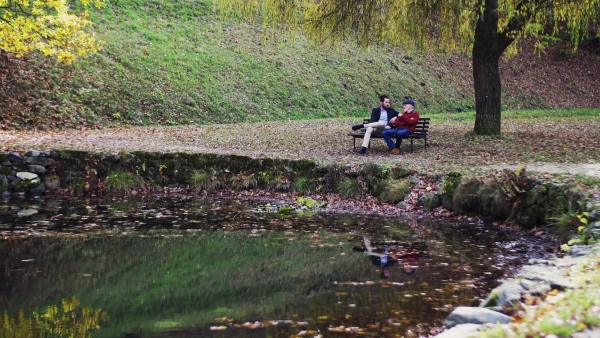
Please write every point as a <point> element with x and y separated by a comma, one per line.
<point>407,120</point>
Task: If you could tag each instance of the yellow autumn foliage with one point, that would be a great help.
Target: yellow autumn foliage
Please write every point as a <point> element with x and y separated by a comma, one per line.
<point>442,25</point>
<point>70,319</point>
<point>46,26</point>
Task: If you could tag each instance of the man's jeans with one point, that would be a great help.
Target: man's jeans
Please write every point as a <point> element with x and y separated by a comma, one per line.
<point>398,133</point>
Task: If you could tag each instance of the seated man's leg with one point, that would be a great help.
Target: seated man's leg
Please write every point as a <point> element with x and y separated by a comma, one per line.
<point>370,128</point>
<point>399,134</point>
<point>387,137</point>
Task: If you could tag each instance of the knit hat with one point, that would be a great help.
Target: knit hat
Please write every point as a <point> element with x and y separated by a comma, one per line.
<point>411,102</point>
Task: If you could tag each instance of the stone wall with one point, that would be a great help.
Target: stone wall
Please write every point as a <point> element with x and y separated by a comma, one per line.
<point>527,201</point>
<point>26,173</point>
<point>516,197</point>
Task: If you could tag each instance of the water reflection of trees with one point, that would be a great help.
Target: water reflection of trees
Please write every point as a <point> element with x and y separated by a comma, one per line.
<point>181,258</point>
<point>69,319</point>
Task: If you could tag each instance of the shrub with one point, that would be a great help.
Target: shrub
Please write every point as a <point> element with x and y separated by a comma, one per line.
<point>304,185</point>
<point>349,188</point>
<point>451,183</point>
<point>249,182</point>
<point>52,182</point>
<point>121,181</point>
<point>281,183</point>
<point>394,191</point>
<point>203,181</point>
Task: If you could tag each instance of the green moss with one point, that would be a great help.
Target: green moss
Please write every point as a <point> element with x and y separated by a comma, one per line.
<point>77,184</point>
<point>5,170</point>
<point>373,170</point>
<point>399,172</point>
<point>24,186</point>
<point>304,167</point>
<point>466,197</point>
<point>394,191</point>
<point>492,201</point>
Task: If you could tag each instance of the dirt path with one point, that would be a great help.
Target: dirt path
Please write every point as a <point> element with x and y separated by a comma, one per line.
<point>592,170</point>
<point>452,147</point>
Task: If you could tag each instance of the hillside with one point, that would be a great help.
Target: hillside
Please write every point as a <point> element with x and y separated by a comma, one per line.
<point>174,63</point>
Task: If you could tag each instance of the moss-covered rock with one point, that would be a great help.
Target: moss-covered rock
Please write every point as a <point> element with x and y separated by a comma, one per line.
<point>399,172</point>
<point>5,170</point>
<point>25,185</point>
<point>448,188</point>
<point>431,201</point>
<point>493,203</point>
<point>466,197</point>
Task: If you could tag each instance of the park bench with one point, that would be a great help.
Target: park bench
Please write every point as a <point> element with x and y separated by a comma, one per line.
<point>420,133</point>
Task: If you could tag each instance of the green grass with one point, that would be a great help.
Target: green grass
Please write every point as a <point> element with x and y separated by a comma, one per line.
<point>469,116</point>
<point>349,188</point>
<point>176,63</point>
<point>304,185</point>
<point>121,181</point>
<point>203,181</point>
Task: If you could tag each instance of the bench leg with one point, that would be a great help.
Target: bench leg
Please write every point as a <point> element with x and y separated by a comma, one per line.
<point>354,139</point>
<point>411,145</point>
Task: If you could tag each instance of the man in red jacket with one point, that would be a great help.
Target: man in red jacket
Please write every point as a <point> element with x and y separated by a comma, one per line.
<point>401,126</point>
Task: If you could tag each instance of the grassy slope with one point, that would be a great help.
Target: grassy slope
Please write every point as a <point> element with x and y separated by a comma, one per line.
<point>174,63</point>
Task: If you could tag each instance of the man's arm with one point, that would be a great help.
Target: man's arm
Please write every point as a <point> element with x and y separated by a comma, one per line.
<point>410,119</point>
<point>392,116</point>
<point>375,114</point>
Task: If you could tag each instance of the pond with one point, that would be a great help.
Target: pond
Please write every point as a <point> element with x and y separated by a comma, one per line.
<point>180,267</point>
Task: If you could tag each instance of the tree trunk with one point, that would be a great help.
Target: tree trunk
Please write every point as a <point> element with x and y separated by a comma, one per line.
<point>488,91</point>
<point>488,46</point>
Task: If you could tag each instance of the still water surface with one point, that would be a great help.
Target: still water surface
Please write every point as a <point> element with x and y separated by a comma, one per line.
<point>172,267</point>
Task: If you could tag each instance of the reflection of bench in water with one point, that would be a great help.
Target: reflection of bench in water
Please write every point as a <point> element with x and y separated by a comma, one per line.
<point>387,253</point>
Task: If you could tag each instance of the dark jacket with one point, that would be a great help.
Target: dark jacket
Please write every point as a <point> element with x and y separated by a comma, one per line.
<point>376,114</point>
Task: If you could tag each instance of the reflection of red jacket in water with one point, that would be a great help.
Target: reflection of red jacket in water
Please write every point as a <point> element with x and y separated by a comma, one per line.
<point>407,120</point>
<point>408,259</point>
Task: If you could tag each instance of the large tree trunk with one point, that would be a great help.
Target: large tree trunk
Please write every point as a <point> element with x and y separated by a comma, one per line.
<point>488,46</point>
<point>486,76</point>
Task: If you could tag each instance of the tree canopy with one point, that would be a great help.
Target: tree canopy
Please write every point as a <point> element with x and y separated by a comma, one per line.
<point>486,29</point>
<point>47,26</point>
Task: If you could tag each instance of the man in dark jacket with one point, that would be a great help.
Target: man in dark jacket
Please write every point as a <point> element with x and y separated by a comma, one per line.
<point>380,117</point>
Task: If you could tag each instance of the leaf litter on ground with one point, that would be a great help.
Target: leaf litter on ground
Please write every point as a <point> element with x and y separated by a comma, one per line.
<point>452,146</point>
